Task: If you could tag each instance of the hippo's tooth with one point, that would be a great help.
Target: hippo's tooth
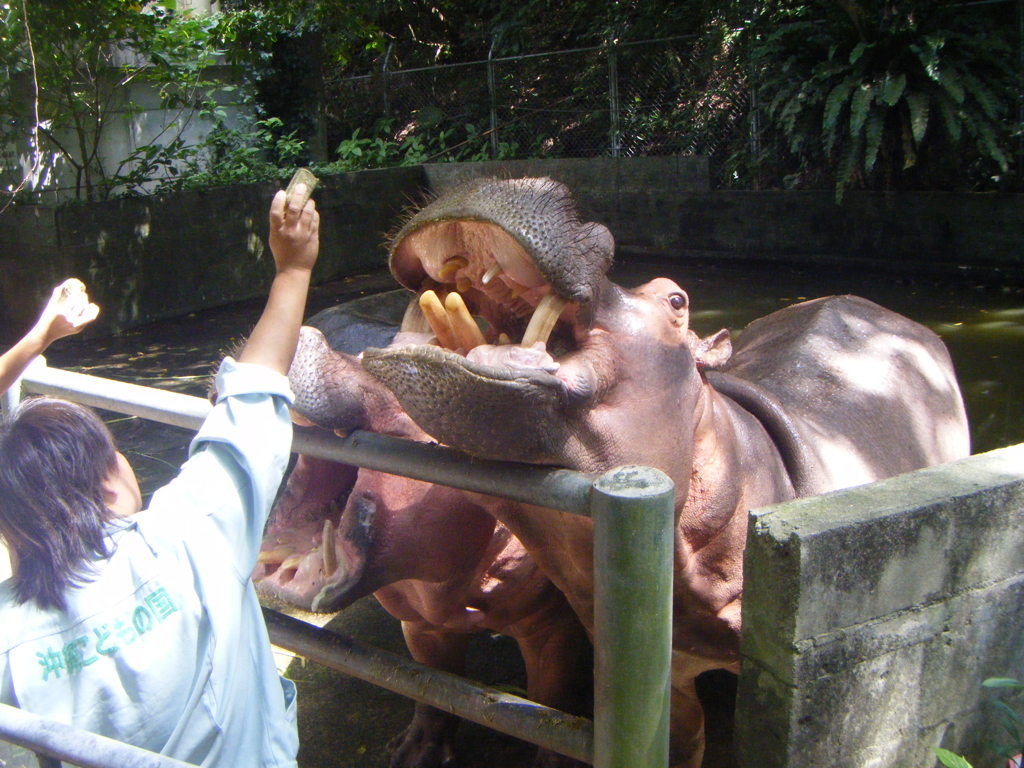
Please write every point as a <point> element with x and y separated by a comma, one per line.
<point>278,555</point>
<point>544,319</point>
<point>292,562</point>
<point>414,321</point>
<point>451,266</point>
<point>438,318</point>
<point>503,338</point>
<point>466,330</point>
<point>300,421</point>
<point>490,274</point>
<point>327,546</point>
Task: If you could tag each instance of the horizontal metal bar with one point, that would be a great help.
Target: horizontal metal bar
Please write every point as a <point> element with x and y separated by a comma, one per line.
<point>146,402</point>
<point>69,744</point>
<point>549,728</point>
<point>553,488</point>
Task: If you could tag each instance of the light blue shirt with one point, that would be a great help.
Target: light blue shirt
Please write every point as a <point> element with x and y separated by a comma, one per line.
<point>166,648</point>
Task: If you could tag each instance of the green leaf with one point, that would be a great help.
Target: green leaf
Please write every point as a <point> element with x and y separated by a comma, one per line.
<point>950,81</point>
<point>835,101</point>
<point>873,130</point>
<point>1008,719</point>
<point>1002,682</point>
<point>893,87</point>
<point>833,106</point>
<point>989,146</point>
<point>951,759</point>
<point>858,51</point>
<point>918,104</point>
<point>951,119</point>
<point>993,110</point>
<point>859,108</point>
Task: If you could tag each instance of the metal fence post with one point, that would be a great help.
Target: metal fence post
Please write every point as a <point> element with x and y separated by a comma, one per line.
<point>492,97</point>
<point>613,97</point>
<point>632,509</point>
<point>384,80</point>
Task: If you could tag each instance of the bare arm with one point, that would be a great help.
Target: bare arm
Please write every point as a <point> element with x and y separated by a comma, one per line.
<point>66,313</point>
<point>295,243</point>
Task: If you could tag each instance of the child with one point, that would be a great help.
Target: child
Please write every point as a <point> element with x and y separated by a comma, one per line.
<point>66,313</point>
<point>143,625</point>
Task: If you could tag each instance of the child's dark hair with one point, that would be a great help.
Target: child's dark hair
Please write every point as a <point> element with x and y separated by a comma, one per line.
<point>54,456</point>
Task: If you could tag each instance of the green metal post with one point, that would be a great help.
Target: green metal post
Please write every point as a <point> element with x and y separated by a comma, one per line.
<point>633,548</point>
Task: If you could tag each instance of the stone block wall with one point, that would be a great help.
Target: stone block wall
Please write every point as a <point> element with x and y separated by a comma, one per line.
<point>146,259</point>
<point>872,615</point>
<point>152,258</point>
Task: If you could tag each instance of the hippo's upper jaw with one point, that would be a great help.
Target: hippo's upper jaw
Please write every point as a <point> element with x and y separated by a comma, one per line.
<point>506,277</point>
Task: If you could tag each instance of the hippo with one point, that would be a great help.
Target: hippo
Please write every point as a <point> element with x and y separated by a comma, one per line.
<point>537,356</point>
<point>338,533</point>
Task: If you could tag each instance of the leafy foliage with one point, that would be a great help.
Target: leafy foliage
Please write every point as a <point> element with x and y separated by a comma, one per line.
<point>76,62</point>
<point>872,91</point>
<point>1010,721</point>
<point>878,94</point>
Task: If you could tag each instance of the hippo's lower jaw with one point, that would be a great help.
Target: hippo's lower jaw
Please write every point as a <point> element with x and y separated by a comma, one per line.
<point>473,388</point>
<point>315,566</point>
<point>496,412</point>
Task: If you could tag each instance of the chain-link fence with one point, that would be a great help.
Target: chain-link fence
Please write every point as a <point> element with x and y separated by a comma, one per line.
<point>657,97</point>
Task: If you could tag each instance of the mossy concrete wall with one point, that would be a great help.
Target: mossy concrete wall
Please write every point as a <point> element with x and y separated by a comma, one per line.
<point>871,616</point>
<point>146,259</point>
<point>665,207</point>
<point>153,258</point>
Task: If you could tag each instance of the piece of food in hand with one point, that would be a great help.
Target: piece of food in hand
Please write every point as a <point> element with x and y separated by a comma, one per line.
<point>301,176</point>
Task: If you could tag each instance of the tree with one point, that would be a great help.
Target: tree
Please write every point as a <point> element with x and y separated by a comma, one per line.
<point>69,71</point>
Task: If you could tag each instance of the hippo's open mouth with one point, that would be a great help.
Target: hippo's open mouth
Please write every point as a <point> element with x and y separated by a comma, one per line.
<point>482,296</point>
<point>312,556</point>
<point>504,293</point>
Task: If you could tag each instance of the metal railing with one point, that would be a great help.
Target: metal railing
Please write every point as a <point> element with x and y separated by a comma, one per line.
<point>632,510</point>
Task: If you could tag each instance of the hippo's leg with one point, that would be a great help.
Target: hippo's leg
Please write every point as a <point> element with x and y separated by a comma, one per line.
<point>559,673</point>
<point>686,728</point>
<point>428,741</point>
<point>686,737</point>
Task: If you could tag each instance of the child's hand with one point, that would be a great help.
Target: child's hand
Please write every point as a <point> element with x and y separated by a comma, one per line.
<point>67,312</point>
<point>294,231</point>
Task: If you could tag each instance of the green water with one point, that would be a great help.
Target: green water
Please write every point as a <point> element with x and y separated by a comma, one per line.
<point>983,325</point>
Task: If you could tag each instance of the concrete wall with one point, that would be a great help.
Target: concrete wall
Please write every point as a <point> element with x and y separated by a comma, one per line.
<point>872,615</point>
<point>134,253</point>
<point>146,259</point>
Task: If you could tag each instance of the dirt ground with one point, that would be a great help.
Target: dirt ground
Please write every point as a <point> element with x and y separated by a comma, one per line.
<point>343,722</point>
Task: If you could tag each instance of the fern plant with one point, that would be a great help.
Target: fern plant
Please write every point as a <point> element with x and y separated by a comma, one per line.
<point>865,89</point>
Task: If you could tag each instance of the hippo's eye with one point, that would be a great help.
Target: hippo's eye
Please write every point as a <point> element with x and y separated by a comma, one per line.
<point>678,301</point>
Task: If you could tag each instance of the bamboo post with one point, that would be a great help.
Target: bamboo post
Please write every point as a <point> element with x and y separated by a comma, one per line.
<point>633,511</point>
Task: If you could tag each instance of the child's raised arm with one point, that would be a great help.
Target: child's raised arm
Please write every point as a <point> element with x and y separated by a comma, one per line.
<point>295,243</point>
<point>66,313</point>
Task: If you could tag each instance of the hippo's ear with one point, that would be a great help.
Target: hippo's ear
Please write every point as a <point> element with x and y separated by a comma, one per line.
<point>713,351</point>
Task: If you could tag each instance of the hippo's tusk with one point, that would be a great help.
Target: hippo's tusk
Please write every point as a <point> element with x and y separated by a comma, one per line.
<point>292,562</point>
<point>450,267</point>
<point>278,555</point>
<point>299,420</point>
<point>327,547</point>
<point>413,321</point>
<point>544,319</point>
<point>438,318</point>
<point>466,330</point>
<point>490,274</point>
